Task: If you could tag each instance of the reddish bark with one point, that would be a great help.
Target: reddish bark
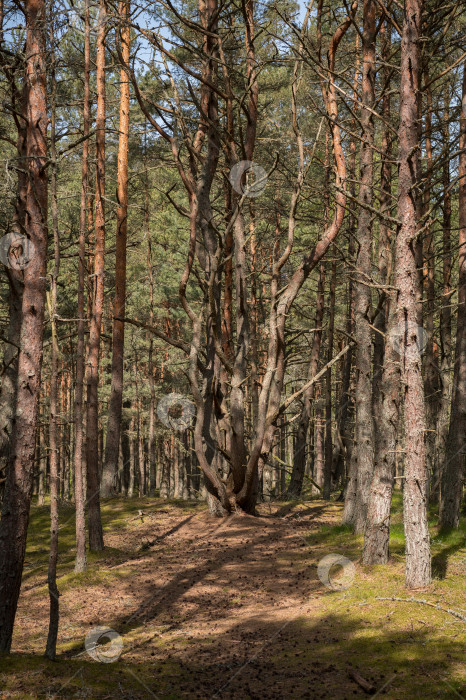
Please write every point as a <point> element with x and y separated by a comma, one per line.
<point>96,540</point>
<point>269,399</point>
<point>81,562</point>
<point>240,490</point>
<point>110,470</point>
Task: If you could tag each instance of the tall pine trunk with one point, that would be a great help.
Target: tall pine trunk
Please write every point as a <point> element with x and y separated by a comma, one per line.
<point>418,564</point>
<point>110,471</point>
<point>51,646</point>
<point>15,283</point>
<point>20,471</point>
<point>386,371</point>
<point>81,561</point>
<point>328,388</point>
<point>445,312</point>
<point>453,469</point>
<point>431,382</point>
<point>96,538</point>
<point>363,450</point>
<point>377,532</point>
<point>345,441</point>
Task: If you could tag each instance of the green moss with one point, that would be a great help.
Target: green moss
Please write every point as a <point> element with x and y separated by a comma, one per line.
<point>417,649</point>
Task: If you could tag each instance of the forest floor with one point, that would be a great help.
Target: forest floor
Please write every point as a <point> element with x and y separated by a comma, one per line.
<point>234,608</point>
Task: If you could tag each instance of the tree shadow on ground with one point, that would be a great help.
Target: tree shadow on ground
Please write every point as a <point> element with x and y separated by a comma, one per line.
<point>236,557</point>
<point>288,508</point>
<point>233,608</point>
<point>294,657</point>
<point>440,560</point>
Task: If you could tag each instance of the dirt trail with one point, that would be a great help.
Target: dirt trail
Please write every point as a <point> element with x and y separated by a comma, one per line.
<point>210,608</point>
<point>224,596</point>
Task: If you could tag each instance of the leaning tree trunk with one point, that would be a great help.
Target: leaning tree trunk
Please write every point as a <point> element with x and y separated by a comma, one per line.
<point>418,564</point>
<point>453,469</point>
<point>110,470</point>
<point>20,473</point>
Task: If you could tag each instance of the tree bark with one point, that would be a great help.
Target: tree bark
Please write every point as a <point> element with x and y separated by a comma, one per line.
<point>140,442</point>
<point>385,238</point>
<point>15,284</point>
<point>445,311</point>
<point>51,646</point>
<point>96,538</point>
<point>319,454</point>
<point>418,564</point>
<point>345,444</point>
<point>363,451</point>
<point>20,473</point>
<point>453,469</point>
<point>327,486</point>
<point>132,457</point>
<point>81,560</point>
<point>377,532</point>
<point>110,470</point>
<point>386,371</point>
<point>431,382</point>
